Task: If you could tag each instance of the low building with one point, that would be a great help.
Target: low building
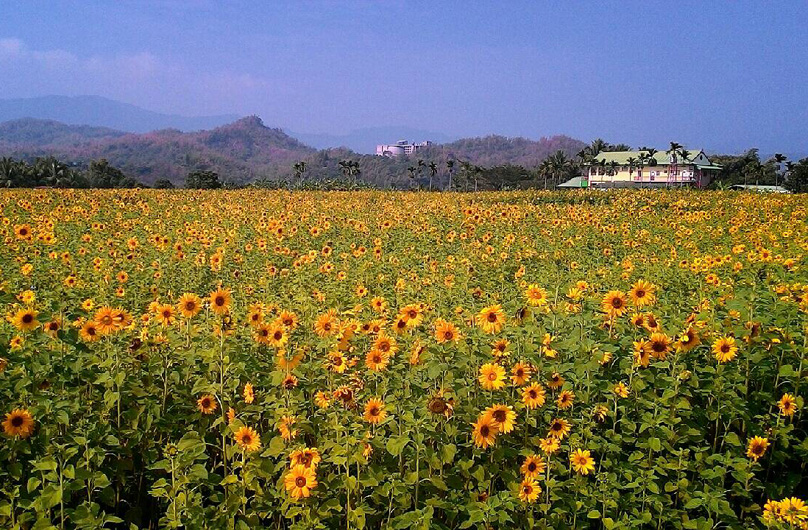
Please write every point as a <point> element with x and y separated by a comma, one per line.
<point>401,148</point>
<point>650,169</point>
<point>760,188</point>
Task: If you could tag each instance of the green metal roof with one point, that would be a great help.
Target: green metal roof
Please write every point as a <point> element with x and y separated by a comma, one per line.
<point>621,157</point>
<point>574,182</point>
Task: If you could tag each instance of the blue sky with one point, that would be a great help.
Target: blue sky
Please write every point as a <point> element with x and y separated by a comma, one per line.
<point>713,74</point>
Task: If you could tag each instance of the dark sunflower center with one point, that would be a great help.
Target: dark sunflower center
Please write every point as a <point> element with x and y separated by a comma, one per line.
<point>300,482</point>
<point>500,415</point>
<point>484,431</point>
<point>492,317</point>
<point>219,300</point>
<point>617,303</point>
<point>28,318</point>
<point>16,421</point>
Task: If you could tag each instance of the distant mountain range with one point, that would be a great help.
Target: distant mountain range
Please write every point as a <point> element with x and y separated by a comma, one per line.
<point>102,112</point>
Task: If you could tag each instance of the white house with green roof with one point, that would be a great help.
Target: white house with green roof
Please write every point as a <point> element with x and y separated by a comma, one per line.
<point>650,168</point>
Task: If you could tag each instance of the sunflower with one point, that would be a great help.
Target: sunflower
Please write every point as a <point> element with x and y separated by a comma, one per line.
<point>556,381</point>
<point>248,439</point>
<point>378,304</point>
<point>491,319</point>
<point>322,400</point>
<point>376,361</point>
<point>559,428</point>
<point>638,320</point>
<point>549,445</point>
<point>307,457</point>
<point>285,428</point>
<point>22,232</point>
<point>620,390</point>
<point>412,314</point>
<point>220,300</point>
<point>165,314</point>
<point>288,319</point>
<point>499,348</point>
<point>438,405</point>
<point>492,376</point>
<point>89,332</point>
<point>787,405</point>
<point>52,328</point>
<point>533,396</point>
<point>642,357</point>
<point>207,404</point>
<point>25,320</point>
<point>276,335</point>
<point>533,466</point>
<point>792,510</point>
<point>249,393</point>
<point>485,432</point>
<point>642,293</point>
<point>19,422</point>
<point>385,344</point>
<point>529,490</point>
<point>299,481</point>
<point>446,332</point>
<point>105,320</point>
<point>374,411</point>
<point>289,382</point>
<point>688,340</point>
<point>326,324</point>
<point>504,416</point>
<point>757,447</point>
<point>614,303</point>
<point>582,462</point>
<point>536,296</point>
<point>565,399</point>
<point>658,346</point>
<point>725,349</point>
<point>520,374</point>
<point>189,305</point>
<point>337,362</point>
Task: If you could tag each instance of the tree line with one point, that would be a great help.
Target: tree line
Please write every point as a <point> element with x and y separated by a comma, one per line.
<point>450,174</point>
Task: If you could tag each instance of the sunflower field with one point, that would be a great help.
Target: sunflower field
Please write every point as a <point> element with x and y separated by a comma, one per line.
<point>295,360</point>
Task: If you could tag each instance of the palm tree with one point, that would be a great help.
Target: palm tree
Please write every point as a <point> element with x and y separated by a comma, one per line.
<point>354,171</point>
<point>300,169</point>
<point>545,169</point>
<point>613,170</point>
<point>632,163</point>
<point>450,168</point>
<point>642,159</point>
<point>673,154</point>
<point>9,171</point>
<point>412,170</point>
<point>433,170</point>
<point>779,158</point>
<point>597,146</point>
<point>345,168</point>
<point>559,166</point>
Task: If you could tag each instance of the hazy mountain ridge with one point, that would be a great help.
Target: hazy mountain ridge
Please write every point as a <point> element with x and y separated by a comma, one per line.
<point>98,111</point>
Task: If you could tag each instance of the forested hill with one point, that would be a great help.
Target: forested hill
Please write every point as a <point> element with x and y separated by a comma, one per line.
<point>247,150</point>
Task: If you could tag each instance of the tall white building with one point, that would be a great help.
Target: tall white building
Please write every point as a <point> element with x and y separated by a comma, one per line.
<point>401,148</point>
